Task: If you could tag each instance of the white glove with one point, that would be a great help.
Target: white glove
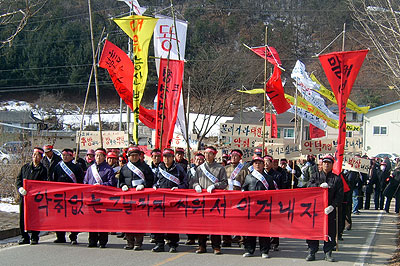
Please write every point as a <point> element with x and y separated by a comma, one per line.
<point>197,188</point>
<point>154,187</point>
<point>22,191</point>
<point>288,168</point>
<point>174,188</point>
<point>139,187</point>
<point>210,188</point>
<point>96,184</point>
<point>329,209</point>
<point>292,183</point>
<point>124,188</point>
<point>293,171</point>
<point>324,185</point>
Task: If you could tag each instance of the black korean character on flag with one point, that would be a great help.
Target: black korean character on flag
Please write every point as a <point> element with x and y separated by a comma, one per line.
<point>219,204</point>
<point>74,200</point>
<point>61,203</point>
<point>159,205</point>
<point>289,210</point>
<point>307,207</point>
<point>39,197</point>
<point>244,204</point>
<point>265,206</point>
<point>95,202</point>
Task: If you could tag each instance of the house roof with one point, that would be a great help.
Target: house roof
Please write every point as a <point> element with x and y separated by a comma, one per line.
<point>22,117</point>
<point>383,106</point>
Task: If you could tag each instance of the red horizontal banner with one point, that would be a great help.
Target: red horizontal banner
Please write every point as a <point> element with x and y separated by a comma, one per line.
<point>299,213</point>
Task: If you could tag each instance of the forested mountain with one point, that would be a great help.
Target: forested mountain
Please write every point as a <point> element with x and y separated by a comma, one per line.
<point>53,52</point>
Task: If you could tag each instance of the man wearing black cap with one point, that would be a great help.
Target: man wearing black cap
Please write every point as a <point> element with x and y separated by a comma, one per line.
<point>258,180</point>
<point>171,176</point>
<point>68,172</point>
<point>210,175</point>
<point>31,171</point>
<point>138,175</point>
<point>334,184</point>
<point>50,160</point>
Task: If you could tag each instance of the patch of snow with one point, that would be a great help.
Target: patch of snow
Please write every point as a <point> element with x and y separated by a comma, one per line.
<point>7,207</point>
<point>15,106</point>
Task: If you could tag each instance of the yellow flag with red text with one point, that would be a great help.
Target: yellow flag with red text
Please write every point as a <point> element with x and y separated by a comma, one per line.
<point>140,30</point>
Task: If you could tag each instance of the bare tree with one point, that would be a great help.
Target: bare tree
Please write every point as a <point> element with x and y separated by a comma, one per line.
<point>217,75</point>
<point>15,16</point>
<point>380,23</point>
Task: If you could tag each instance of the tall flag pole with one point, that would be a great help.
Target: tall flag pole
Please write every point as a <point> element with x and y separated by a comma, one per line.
<point>265,87</point>
<point>95,73</point>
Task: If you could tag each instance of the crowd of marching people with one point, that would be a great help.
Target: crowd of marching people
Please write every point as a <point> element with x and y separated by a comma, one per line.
<point>127,169</point>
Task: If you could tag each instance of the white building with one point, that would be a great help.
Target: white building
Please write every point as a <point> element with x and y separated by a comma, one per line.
<point>382,129</point>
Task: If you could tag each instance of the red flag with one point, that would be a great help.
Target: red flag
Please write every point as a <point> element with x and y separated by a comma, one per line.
<point>341,69</point>
<point>271,118</point>
<point>169,97</point>
<point>315,132</point>
<point>272,54</point>
<point>275,92</point>
<point>121,70</point>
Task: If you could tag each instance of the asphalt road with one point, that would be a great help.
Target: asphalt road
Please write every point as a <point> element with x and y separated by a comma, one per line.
<point>370,242</point>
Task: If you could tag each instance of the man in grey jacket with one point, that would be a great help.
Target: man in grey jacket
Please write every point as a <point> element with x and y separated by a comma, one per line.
<point>210,175</point>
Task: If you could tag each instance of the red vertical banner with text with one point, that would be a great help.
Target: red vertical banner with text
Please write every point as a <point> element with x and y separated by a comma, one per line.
<point>341,69</point>
<point>169,91</point>
<point>271,119</point>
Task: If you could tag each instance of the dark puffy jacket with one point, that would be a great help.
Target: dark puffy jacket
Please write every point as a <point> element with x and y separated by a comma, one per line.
<point>175,170</point>
<point>28,171</point>
<point>50,165</point>
<point>60,175</point>
<point>126,176</point>
<point>251,183</point>
<point>335,191</point>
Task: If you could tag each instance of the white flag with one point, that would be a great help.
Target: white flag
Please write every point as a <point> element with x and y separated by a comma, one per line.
<point>135,6</point>
<point>316,121</point>
<point>163,33</point>
<point>305,86</point>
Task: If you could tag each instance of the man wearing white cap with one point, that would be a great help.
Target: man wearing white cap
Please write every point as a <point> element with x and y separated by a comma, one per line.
<point>334,184</point>
<point>210,175</point>
<point>50,160</point>
<point>31,171</point>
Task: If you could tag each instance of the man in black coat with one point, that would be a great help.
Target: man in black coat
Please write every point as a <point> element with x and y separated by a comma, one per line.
<point>393,191</point>
<point>383,176</point>
<point>172,176</point>
<point>138,175</point>
<point>327,179</point>
<point>69,172</point>
<point>31,171</point>
<point>255,181</point>
<point>50,160</point>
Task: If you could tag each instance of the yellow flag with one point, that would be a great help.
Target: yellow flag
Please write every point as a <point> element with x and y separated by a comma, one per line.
<point>253,91</point>
<point>331,96</point>
<point>139,29</point>
<point>304,104</point>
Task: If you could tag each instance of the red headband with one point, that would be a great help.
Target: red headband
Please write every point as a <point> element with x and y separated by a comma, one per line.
<point>38,150</point>
<point>169,152</point>
<point>211,150</point>
<point>236,153</point>
<point>200,155</point>
<point>102,152</point>
<point>68,152</point>
<point>155,153</point>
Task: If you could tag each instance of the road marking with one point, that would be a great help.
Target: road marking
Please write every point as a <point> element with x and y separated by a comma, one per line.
<point>171,259</point>
<point>366,247</point>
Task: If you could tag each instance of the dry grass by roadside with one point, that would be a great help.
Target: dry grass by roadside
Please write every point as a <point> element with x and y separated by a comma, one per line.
<point>395,260</point>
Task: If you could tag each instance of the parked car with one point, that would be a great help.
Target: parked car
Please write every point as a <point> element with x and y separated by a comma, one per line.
<point>16,146</point>
<point>392,157</point>
<point>6,158</point>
